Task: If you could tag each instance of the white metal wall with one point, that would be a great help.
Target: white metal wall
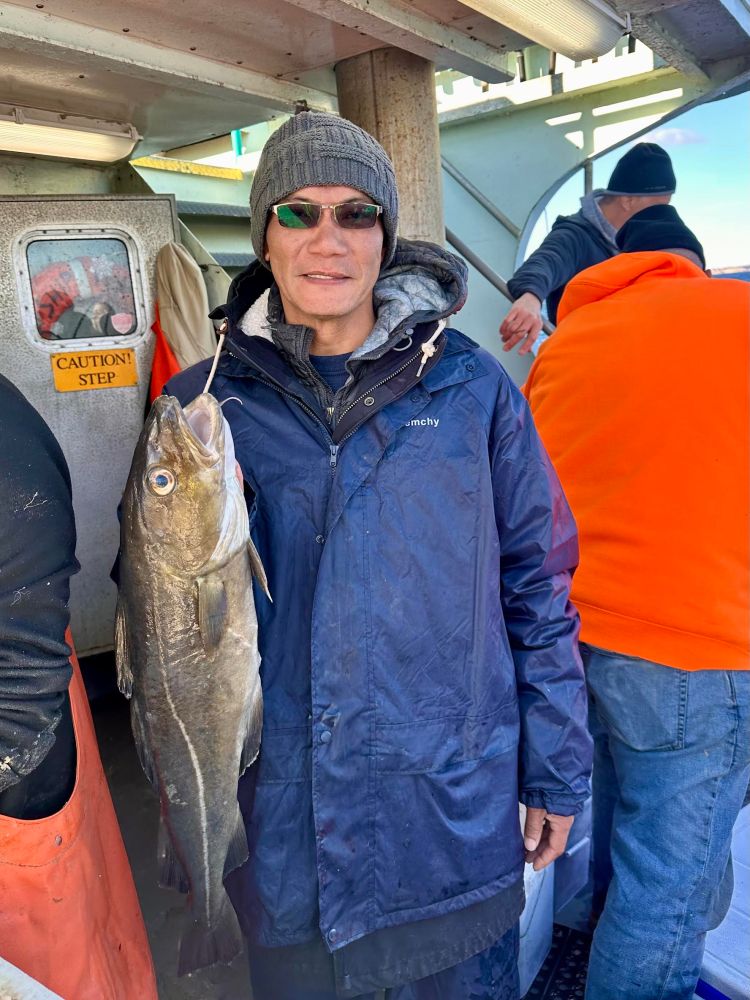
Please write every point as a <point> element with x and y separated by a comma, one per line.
<point>97,429</point>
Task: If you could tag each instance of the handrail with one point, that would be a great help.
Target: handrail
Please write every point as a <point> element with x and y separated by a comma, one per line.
<point>486,271</point>
<point>483,200</point>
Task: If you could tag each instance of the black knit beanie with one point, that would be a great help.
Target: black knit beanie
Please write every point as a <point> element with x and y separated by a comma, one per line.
<point>658,227</point>
<point>318,149</point>
<point>645,169</point>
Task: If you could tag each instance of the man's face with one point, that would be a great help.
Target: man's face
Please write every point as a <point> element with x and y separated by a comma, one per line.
<point>326,272</point>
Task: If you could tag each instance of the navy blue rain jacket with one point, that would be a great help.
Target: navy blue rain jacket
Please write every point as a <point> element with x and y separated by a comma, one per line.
<point>419,661</point>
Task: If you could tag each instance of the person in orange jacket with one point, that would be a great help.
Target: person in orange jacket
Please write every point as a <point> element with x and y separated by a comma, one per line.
<point>648,426</point>
<point>69,914</point>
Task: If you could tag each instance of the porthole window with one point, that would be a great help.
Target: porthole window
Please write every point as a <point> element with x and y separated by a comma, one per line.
<point>82,289</point>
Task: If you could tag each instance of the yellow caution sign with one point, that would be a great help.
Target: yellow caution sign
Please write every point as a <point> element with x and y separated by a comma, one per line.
<point>76,370</point>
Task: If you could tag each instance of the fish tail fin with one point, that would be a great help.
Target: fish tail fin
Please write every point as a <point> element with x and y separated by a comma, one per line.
<point>237,852</point>
<point>204,944</point>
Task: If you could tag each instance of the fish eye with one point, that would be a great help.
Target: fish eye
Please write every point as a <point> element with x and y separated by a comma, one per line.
<point>160,481</point>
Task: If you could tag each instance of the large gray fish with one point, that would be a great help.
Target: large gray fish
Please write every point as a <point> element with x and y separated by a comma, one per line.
<point>187,655</point>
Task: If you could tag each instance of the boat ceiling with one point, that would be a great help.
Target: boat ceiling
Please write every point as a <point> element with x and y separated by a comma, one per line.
<point>700,37</point>
<point>186,71</point>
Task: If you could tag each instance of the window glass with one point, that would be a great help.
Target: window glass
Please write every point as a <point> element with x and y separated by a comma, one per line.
<point>710,155</point>
<point>565,201</point>
<point>710,149</point>
<point>81,288</point>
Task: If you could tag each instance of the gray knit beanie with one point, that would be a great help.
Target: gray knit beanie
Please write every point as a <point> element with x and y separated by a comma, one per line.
<point>314,148</point>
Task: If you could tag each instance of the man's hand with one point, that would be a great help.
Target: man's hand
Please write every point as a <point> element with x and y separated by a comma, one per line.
<point>545,836</point>
<point>522,324</point>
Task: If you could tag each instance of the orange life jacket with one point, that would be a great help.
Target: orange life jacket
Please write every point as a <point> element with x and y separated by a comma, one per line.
<point>69,914</point>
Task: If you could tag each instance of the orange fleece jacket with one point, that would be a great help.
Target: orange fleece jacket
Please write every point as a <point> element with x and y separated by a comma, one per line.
<point>642,399</point>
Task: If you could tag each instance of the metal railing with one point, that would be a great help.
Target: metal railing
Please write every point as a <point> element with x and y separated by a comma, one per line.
<point>480,198</point>
<point>486,271</point>
<point>474,259</point>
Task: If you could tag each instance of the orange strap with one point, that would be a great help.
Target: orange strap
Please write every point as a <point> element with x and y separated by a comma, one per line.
<point>165,364</point>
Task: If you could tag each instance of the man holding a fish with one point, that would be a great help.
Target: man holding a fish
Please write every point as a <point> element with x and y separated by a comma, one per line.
<point>419,661</point>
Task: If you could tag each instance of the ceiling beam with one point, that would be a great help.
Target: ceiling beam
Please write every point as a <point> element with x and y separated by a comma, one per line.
<point>405,27</point>
<point>740,11</point>
<point>53,37</point>
<point>646,28</point>
<point>650,6</point>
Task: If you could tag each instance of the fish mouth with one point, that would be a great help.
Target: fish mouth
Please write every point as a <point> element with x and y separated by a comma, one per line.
<point>198,427</point>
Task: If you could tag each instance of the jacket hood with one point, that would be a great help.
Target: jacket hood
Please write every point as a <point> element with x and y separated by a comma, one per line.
<point>423,283</point>
<point>609,277</point>
<point>591,218</point>
<point>591,212</point>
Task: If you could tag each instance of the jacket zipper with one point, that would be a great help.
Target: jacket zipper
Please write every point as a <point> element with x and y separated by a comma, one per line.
<point>376,386</point>
<point>290,395</point>
<point>333,449</point>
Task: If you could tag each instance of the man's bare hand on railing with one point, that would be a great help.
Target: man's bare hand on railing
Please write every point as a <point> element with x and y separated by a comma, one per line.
<point>522,324</point>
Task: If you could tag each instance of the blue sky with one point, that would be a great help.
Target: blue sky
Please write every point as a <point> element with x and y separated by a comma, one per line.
<point>710,150</point>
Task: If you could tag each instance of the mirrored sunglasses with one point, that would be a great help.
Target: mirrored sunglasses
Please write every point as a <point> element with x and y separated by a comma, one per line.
<point>307,214</point>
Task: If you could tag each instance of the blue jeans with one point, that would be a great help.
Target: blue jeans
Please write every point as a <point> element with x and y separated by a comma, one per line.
<point>671,769</point>
<point>305,972</point>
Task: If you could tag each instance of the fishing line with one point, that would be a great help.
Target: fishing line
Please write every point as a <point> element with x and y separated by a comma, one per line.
<point>215,364</point>
<point>229,400</point>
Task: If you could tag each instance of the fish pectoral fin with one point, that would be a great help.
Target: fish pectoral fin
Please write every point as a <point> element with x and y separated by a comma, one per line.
<point>251,746</point>
<point>122,652</point>
<point>212,610</point>
<point>172,874</point>
<point>258,570</point>
<point>237,852</point>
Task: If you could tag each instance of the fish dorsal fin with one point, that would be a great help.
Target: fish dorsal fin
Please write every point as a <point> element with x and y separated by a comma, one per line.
<point>212,610</point>
<point>237,852</point>
<point>122,652</point>
<point>257,568</point>
<point>251,745</point>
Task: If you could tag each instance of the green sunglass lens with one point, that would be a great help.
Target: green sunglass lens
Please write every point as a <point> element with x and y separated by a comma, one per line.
<point>306,215</point>
<point>297,215</point>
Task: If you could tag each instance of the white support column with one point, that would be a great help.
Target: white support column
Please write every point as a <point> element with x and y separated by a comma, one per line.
<point>391,94</point>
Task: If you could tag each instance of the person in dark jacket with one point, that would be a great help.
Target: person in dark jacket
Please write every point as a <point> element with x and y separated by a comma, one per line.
<point>37,559</point>
<point>420,667</point>
<point>642,177</point>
